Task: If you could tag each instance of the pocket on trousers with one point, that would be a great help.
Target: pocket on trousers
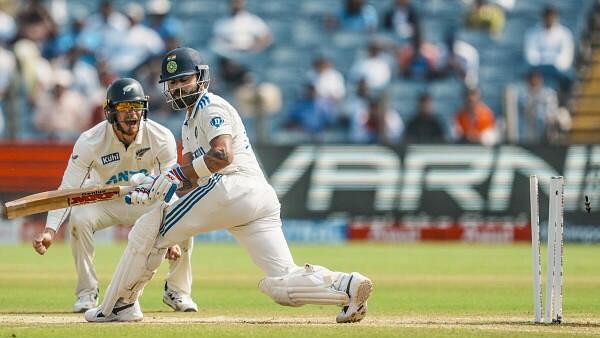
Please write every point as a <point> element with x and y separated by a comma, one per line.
<point>236,188</point>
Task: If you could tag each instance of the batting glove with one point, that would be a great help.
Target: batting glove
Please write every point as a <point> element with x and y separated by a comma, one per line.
<point>166,184</point>
<point>141,193</point>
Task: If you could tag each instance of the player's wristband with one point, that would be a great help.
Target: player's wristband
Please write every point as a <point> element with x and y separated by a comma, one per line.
<point>178,172</point>
<point>200,167</point>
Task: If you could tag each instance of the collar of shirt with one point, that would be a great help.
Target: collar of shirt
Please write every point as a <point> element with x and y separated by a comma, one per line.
<point>139,138</point>
<point>202,102</point>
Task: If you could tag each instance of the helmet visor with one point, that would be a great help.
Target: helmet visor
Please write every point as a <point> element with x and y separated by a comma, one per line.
<point>123,107</point>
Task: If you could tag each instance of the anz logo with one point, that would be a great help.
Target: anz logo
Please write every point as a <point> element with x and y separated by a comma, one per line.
<point>124,176</point>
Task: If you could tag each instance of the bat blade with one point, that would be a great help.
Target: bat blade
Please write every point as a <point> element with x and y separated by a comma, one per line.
<point>58,199</point>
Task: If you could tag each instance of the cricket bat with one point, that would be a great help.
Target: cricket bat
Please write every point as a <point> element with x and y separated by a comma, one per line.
<point>58,199</point>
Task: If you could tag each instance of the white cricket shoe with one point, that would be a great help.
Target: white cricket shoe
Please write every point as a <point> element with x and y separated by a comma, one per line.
<point>120,313</point>
<point>358,289</point>
<point>86,302</point>
<point>178,301</point>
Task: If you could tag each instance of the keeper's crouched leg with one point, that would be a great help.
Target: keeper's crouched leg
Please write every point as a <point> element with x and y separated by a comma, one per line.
<point>138,263</point>
<point>311,284</point>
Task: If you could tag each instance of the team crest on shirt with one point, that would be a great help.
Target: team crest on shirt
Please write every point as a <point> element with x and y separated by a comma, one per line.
<point>140,152</point>
<point>216,121</point>
<point>106,159</point>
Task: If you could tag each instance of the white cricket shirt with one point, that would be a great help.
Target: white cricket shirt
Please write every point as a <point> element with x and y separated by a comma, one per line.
<point>214,116</point>
<point>99,158</point>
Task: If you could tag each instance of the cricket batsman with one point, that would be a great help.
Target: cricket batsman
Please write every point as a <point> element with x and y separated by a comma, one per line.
<point>232,193</point>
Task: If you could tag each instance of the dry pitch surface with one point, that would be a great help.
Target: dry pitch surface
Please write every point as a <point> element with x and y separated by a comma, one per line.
<point>577,326</point>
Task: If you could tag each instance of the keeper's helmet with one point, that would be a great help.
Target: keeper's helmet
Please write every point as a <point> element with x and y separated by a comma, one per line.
<point>125,90</point>
<point>180,62</point>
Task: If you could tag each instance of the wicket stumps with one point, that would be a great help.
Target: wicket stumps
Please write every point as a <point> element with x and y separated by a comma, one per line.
<point>554,277</point>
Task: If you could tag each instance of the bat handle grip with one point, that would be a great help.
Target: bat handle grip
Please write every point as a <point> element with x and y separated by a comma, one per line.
<point>170,193</point>
<point>168,196</point>
<point>125,192</point>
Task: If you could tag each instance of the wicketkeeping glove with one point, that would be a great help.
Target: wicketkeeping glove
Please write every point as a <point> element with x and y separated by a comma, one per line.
<point>167,183</point>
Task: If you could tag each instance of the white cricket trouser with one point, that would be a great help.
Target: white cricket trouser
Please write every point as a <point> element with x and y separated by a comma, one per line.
<point>85,220</point>
<point>246,206</point>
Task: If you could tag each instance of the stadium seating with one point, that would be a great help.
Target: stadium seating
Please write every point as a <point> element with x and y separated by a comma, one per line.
<point>300,36</point>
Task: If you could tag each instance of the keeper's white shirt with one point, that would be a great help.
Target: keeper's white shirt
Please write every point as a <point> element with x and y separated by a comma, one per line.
<point>213,116</point>
<point>99,158</point>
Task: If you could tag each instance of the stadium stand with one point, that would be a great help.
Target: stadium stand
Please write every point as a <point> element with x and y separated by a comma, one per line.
<point>299,33</point>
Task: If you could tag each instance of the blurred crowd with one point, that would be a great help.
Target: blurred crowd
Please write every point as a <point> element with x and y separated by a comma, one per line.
<point>56,64</point>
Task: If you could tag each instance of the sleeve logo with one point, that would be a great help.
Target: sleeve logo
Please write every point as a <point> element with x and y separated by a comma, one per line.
<point>216,121</point>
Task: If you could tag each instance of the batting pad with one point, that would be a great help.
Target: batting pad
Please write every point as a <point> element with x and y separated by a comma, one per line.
<point>312,284</point>
<point>138,263</point>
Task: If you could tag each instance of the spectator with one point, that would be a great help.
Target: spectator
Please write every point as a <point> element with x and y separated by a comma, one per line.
<point>486,17</point>
<point>35,23</point>
<point>376,124</point>
<point>256,102</point>
<point>232,74</point>
<point>85,76</point>
<point>424,127</point>
<point>148,75</point>
<point>67,38</point>
<point>311,114</point>
<point>257,99</point>
<point>355,17</point>
<point>166,25</point>
<point>35,72</point>
<point>355,102</point>
<point>461,60</point>
<point>475,121</point>
<point>418,59</point>
<point>106,76</point>
<point>537,105</point>
<point>328,81</point>
<point>138,43</point>
<point>507,5</point>
<point>374,67</point>
<point>8,28</point>
<point>7,61</point>
<point>62,113</point>
<point>34,26</point>
<point>402,19</point>
<point>241,31</point>
<point>102,32</point>
<point>550,49</point>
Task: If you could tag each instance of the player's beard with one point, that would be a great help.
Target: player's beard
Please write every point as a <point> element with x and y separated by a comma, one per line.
<point>129,126</point>
<point>183,100</point>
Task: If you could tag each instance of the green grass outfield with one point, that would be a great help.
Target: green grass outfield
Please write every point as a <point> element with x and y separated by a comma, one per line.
<point>421,290</point>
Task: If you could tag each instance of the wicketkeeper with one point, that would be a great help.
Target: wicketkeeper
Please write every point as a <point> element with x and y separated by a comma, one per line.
<point>111,152</point>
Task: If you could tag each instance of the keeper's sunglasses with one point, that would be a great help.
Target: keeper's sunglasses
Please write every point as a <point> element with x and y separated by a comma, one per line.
<point>123,107</point>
